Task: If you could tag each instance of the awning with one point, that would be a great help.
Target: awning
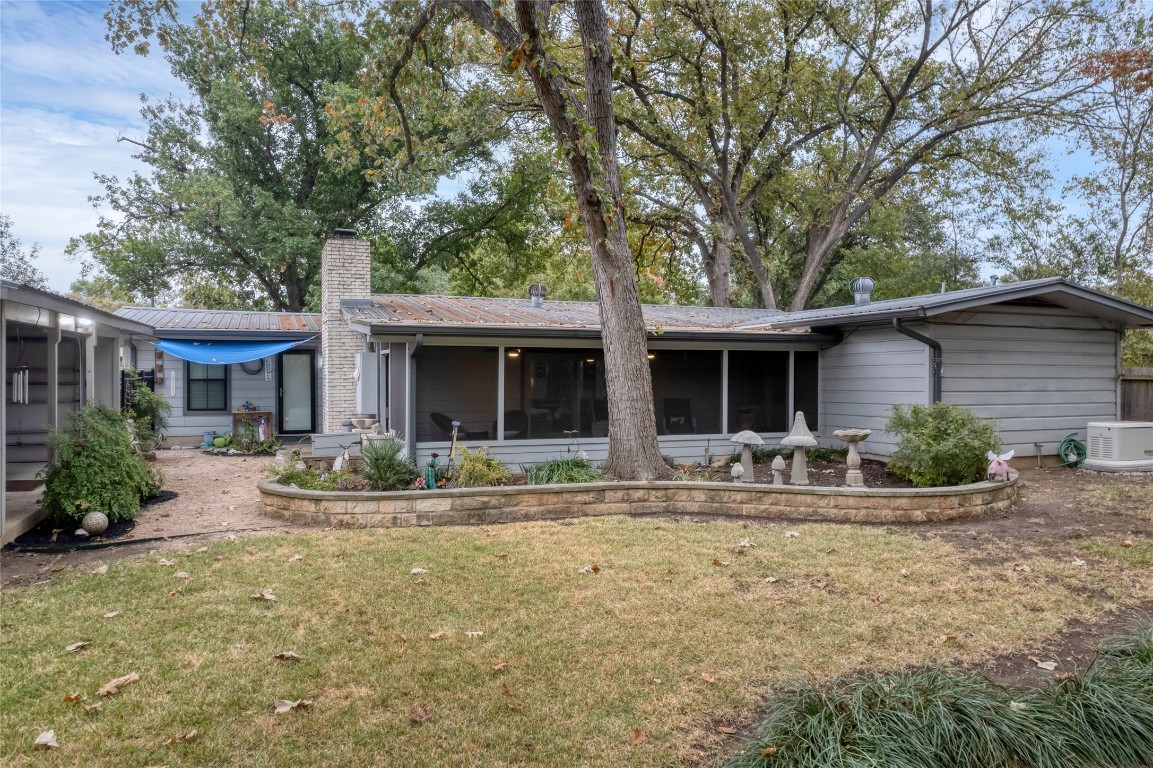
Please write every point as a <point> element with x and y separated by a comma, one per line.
<point>225,352</point>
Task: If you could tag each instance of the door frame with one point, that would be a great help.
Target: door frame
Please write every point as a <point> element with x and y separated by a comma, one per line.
<point>311,390</point>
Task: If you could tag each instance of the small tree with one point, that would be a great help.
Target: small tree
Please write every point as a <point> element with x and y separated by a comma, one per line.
<point>940,444</point>
<point>96,469</point>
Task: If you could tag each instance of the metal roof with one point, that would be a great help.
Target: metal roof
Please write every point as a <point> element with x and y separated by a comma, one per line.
<point>37,297</point>
<point>1052,290</point>
<point>385,313</point>
<point>179,321</point>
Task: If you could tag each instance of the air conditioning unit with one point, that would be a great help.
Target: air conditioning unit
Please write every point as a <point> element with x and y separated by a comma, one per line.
<point>1120,446</point>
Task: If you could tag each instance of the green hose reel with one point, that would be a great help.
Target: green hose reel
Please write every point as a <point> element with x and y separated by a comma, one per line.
<point>1071,450</point>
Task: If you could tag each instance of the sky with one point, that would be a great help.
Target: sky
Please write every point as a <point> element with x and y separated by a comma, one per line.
<point>65,97</point>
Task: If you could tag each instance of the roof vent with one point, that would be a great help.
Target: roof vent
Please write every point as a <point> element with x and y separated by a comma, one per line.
<point>862,288</point>
<point>344,234</point>
<point>536,294</point>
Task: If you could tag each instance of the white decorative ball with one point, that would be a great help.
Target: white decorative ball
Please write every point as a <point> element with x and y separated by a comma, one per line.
<point>95,522</point>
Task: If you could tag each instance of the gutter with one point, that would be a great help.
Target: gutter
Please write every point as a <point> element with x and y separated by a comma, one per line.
<point>547,332</point>
<point>936,360</point>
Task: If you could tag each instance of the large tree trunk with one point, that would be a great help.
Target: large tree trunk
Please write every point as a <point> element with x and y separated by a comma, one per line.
<point>634,453</point>
<point>718,264</point>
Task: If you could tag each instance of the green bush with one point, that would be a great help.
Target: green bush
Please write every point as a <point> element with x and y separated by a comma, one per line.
<point>246,441</point>
<point>940,444</point>
<point>562,470</point>
<point>149,413</point>
<point>96,469</point>
<point>383,467</point>
<point>308,479</point>
<point>477,469</point>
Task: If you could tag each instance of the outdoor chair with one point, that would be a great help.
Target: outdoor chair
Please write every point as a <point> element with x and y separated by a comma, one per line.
<point>444,424</point>
<point>679,416</point>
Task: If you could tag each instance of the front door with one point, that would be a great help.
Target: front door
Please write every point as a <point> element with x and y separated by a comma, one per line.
<point>297,397</point>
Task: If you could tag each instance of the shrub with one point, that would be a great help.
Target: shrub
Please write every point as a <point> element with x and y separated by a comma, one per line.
<point>149,413</point>
<point>96,469</point>
<point>477,469</point>
<point>247,441</point>
<point>384,467</point>
<point>940,444</point>
<point>562,470</point>
<point>308,479</point>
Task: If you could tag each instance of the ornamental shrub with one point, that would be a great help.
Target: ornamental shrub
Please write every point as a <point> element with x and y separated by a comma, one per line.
<point>384,467</point>
<point>149,413</point>
<point>940,444</point>
<point>477,469</point>
<point>564,470</point>
<point>96,469</point>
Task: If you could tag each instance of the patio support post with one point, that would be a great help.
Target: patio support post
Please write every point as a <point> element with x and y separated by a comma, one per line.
<point>89,368</point>
<point>3,419</point>
<point>500,394</point>
<point>52,369</point>
<point>724,391</point>
<point>789,384</point>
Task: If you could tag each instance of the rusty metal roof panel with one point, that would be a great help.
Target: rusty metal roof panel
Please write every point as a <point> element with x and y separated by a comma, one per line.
<point>180,319</point>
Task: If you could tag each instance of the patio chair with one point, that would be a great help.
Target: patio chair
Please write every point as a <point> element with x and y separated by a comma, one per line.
<point>515,425</point>
<point>679,416</point>
<point>444,424</point>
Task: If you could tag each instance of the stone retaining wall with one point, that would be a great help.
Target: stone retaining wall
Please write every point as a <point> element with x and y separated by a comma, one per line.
<point>467,506</point>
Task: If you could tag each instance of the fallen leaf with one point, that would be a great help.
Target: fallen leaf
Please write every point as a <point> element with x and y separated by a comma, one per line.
<point>112,614</point>
<point>1018,706</point>
<point>905,573</point>
<point>500,666</point>
<point>638,737</point>
<point>1022,568</point>
<point>113,686</point>
<point>792,535</point>
<point>77,646</point>
<point>72,697</point>
<point>771,580</point>
<point>514,705</point>
<point>768,751</point>
<point>296,558</point>
<point>1080,562</point>
<point>501,555</point>
<point>287,705</point>
<point>1063,677</point>
<point>100,571</point>
<point>166,562</point>
<point>288,656</point>
<point>708,678</point>
<point>505,689</point>
<point>417,572</point>
<point>946,637</point>
<point>474,634</point>
<point>590,569</point>
<point>1000,577</point>
<point>264,595</point>
<point>821,584</point>
<point>182,737</point>
<point>438,634</point>
<point>1048,666</point>
<point>1126,543</point>
<point>420,715</point>
<point>202,549</point>
<point>93,707</point>
<point>745,543</point>
<point>46,740</point>
<point>720,564</point>
<point>218,557</point>
<point>176,592</point>
<point>727,729</point>
<point>182,575</point>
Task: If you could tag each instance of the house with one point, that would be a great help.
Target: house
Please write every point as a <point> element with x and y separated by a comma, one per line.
<point>525,377</point>
<point>57,354</point>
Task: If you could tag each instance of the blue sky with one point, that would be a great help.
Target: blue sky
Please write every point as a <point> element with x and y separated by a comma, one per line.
<point>64,100</point>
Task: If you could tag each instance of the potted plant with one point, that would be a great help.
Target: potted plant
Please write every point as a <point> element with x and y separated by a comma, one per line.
<point>221,441</point>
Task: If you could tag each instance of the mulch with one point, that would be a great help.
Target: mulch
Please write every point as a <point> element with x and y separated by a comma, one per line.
<point>54,537</point>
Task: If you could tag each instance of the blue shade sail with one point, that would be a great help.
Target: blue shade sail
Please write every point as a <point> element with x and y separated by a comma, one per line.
<point>225,352</point>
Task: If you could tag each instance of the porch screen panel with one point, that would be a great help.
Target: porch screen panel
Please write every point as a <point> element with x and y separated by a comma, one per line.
<point>551,392</point>
<point>686,391</point>
<point>456,384</point>
<point>806,386</point>
<point>758,391</point>
<point>207,387</point>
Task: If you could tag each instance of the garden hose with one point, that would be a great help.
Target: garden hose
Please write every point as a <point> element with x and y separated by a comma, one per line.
<point>1071,450</point>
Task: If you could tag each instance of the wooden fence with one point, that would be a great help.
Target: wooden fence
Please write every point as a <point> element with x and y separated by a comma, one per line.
<point>1137,394</point>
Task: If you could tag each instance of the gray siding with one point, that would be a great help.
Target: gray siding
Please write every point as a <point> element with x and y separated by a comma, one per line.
<point>863,377</point>
<point>1041,373</point>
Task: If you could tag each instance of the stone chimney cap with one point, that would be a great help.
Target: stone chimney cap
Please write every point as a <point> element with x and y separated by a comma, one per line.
<point>344,233</point>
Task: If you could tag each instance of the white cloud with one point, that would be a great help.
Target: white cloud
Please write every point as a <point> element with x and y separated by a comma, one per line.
<point>65,98</point>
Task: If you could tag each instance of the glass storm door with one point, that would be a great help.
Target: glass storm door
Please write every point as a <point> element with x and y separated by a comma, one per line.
<point>297,391</point>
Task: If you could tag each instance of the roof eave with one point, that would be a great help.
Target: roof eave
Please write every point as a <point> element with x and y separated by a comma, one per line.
<point>549,332</point>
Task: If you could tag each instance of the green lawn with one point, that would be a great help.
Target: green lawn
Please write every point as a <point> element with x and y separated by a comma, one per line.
<point>677,632</point>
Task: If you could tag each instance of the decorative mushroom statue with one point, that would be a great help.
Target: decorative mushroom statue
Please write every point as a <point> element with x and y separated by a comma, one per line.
<point>778,468</point>
<point>853,477</point>
<point>737,472</point>
<point>746,440</point>
<point>799,439</point>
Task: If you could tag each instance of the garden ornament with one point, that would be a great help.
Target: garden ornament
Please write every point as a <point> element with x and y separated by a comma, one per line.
<point>799,439</point>
<point>853,477</point>
<point>430,472</point>
<point>746,440</point>
<point>998,465</point>
<point>342,459</point>
<point>778,468</point>
<point>738,472</point>
<point>95,523</point>
<point>452,448</point>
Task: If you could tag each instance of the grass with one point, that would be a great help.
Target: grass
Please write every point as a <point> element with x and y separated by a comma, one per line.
<point>562,470</point>
<point>1129,499</point>
<point>633,663</point>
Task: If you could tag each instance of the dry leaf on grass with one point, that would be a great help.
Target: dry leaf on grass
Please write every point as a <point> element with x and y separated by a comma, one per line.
<point>420,715</point>
<point>516,706</point>
<point>745,544</point>
<point>418,571</point>
<point>504,689</point>
<point>1126,543</point>
<point>77,646</point>
<point>438,634</point>
<point>165,562</point>
<point>638,737</point>
<point>202,549</point>
<point>72,697</point>
<point>946,638</point>
<point>768,751</point>
<point>905,573</point>
<point>93,707</point>
<point>287,705</point>
<point>1018,706</point>
<point>771,579</point>
<point>1080,562</point>
<point>264,595</point>
<point>474,634</point>
<point>708,678</point>
<point>176,592</point>
<point>101,571</point>
<point>288,656</point>
<point>296,558</point>
<point>114,686</point>
<point>501,555</point>
<point>46,740</point>
<point>500,666</point>
<point>1048,666</point>
<point>182,737</point>
<point>720,563</point>
<point>728,730</point>
<point>112,614</point>
<point>792,535</point>
<point>182,575</point>
<point>590,569</point>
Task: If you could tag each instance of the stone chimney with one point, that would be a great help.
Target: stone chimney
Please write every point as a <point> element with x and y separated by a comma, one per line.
<point>344,274</point>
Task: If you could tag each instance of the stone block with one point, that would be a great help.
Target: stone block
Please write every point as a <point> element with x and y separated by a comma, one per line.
<point>442,504</point>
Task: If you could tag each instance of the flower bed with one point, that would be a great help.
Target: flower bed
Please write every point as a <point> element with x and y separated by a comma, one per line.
<point>463,506</point>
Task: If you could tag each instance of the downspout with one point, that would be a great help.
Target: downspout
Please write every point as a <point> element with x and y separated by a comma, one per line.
<point>410,395</point>
<point>935,361</point>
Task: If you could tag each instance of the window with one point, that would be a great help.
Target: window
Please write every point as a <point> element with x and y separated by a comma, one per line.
<point>806,387</point>
<point>207,387</point>
<point>456,384</point>
<point>758,391</point>
<point>686,391</point>
<point>548,393</point>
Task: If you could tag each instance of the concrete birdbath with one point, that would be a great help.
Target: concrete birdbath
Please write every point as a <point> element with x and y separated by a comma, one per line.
<point>799,439</point>
<point>746,440</point>
<point>853,477</point>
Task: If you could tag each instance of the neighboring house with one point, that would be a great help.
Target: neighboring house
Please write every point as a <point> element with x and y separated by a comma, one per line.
<point>57,354</point>
<point>526,377</point>
<point>271,364</point>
